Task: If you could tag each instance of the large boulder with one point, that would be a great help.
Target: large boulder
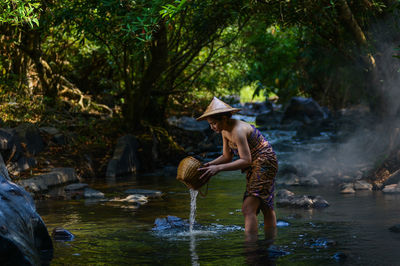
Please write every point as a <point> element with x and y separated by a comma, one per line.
<point>255,108</point>
<point>56,177</point>
<point>10,147</point>
<point>24,239</point>
<point>125,159</point>
<point>194,136</point>
<point>305,110</point>
<point>29,135</point>
<point>268,120</point>
<point>188,123</point>
<point>286,198</point>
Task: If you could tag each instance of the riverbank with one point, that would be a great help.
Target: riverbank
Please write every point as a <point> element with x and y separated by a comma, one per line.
<point>90,146</point>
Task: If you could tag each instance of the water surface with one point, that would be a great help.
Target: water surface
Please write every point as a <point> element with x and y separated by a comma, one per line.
<point>121,234</point>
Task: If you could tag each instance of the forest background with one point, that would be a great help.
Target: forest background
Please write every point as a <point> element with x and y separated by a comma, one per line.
<point>104,68</point>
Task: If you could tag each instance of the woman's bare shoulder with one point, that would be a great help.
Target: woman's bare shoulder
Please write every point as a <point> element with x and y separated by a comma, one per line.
<point>241,129</point>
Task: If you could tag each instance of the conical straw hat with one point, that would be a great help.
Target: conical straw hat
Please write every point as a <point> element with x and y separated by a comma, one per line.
<point>217,107</point>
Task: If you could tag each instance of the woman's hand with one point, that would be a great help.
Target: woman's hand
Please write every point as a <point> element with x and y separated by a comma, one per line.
<point>209,170</point>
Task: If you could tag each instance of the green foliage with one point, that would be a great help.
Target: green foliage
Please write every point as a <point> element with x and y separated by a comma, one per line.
<point>169,10</point>
<point>272,54</point>
<point>17,107</point>
<point>17,12</point>
<point>141,57</point>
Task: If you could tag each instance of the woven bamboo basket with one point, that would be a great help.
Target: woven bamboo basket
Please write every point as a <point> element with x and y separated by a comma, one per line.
<point>188,173</point>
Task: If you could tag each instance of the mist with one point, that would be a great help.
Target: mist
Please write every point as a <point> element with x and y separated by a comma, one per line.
<point>365,142</point>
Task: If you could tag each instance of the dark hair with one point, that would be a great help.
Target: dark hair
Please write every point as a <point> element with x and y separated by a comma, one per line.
<point>220,116</point>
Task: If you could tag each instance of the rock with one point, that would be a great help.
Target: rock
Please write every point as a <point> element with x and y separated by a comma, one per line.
<point>169,222</point>
<point>307,131</point>
<point>320,243</point>
<point>145,192</point>
<point>58,176</point>
<point>254,108</point>
<point>309,181</point>
<point>281,223</point>
<point>284,193</point>
<point>286,198</point>
<point>49,130</point>
<point>394,188</point>
<point>347,188</point>
<point>92,193</point>
<point>268,120</point>
<point>362,185</point>
<point>138,199</point>
<point>23,164</point>
<point>125,159</point>
<point>61,234</point>
<point>59,139</point>
<point>339,256</point>
<point>188,123</point>
<point>394,178</point>
<point>76,186</point>
<point>305,110</point>
<point>290,180</point>
<point>30,135</point>
<point>293,180</point>
<point>23,235</point>
<point>6,140</point>
<point>319,202</point>
<point>395,228</point>
<point>10,146</point>
<point>302,201</point>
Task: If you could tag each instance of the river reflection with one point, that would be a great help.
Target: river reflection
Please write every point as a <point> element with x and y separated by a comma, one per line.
<point>354,226</point>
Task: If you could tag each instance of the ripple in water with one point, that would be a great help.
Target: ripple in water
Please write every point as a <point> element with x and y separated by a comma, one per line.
<point>173,227</point>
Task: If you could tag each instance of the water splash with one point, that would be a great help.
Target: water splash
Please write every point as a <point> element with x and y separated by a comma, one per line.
<point>193,207</point>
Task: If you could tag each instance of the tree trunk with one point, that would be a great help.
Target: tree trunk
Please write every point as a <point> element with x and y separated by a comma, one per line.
<point>142,101</point>
<point>374,90</point>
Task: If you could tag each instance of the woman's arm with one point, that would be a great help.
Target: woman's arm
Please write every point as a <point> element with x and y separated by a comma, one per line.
<point>240,138</point>
<point>226,156</point>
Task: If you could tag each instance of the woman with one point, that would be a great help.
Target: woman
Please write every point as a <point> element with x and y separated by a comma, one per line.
<point>256,158</point>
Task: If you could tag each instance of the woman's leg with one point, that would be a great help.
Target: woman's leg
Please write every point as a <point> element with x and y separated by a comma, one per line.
<point>249,210</point>
<point>270,230</point>
<point>269,218</point>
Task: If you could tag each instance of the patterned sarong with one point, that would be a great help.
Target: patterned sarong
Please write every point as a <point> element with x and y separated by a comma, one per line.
<point>261,174</point>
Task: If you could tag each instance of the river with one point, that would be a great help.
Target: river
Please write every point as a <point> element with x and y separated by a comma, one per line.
<point>353,230</point>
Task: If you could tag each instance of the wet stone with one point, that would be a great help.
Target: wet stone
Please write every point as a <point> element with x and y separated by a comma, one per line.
<point>286,198</point>
<point>395,228</point>
<point>394,188</point>
<point>319,202</point>
<point>339,256</point>
<point>320,243</point>
<point>281,223</point>
<point>169,222</point>
<point>92,193</point>
<point>362,185</point>
<point>274,252</point>
<point>76,186</point>
<point>347,188</point>
<point>145,192</point>
<point>62,234</point>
